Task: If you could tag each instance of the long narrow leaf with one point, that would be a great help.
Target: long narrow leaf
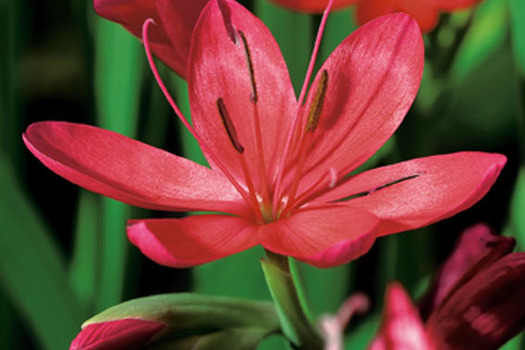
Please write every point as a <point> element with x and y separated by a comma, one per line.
<point>516,11</point>
<point>86,260</point>
<point>32,271</point>
<point>118,74</point>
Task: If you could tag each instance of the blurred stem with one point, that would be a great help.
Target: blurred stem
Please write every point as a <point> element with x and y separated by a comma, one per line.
<point>286,295</point>
<point>118,73</point>
<point>86,260</point>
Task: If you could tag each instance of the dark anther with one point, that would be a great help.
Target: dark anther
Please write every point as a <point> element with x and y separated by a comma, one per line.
<point>253,97</point>
<point>317,103</point>
<point>228,125</point>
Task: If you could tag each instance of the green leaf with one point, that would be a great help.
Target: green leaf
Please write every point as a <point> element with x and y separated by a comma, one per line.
<point>118,73</point>
<point>293,32</point>
<point>202,322</point>
<point>32,270</point>
<point>485,36</point>
<point>85,265</point>
<point>516,11</point>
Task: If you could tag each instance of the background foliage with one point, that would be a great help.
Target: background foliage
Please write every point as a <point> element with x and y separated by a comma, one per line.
<point>63,251</point>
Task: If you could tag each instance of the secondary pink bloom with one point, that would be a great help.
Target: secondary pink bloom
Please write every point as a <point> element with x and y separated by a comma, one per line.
<point>170,38</point>
<point>123,334</point>
<point>476,301</point>
<point>279,167</point>
<point>426,12</point>
<point>313,6</point>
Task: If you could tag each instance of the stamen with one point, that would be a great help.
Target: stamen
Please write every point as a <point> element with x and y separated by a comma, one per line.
<point>378,188</point>
<point>317,103</point>
<point>226,16</point>
<point>228,125</point>
<point>183,119</point>
<point>253,97</point>
<point>308,75</point>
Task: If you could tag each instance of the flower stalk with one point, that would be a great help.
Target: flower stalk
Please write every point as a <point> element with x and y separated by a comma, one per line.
<point>295,324</point>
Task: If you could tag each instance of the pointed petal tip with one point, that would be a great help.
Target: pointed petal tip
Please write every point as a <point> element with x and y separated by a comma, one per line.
<point>192,240</point>
<point>144,239</point>
<point>122,334</point>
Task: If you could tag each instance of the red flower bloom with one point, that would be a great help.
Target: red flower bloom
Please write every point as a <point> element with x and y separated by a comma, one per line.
<point>123,334</point>
<point>313,6</point>
<point>170,39</point>
<point>476,301</point>
<point>278,167</point>
<point>426,12</point>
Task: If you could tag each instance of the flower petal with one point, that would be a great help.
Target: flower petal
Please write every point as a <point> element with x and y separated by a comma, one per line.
<point>485,312</point>
<point>476,249</point>
<point>129,171</point>
<point>123,334</point>
<point>324,236</point>
<point>170,38</point>
<point>421,191</point>
<point>401,327</point>
<point>248,73</point>
<point>178,20</point>
<point>371,80</point>
<point>425,12</point>
<point>192,240</point>
<point>313,6</point>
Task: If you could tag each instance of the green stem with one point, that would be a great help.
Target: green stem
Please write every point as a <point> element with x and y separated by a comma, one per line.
<point>294,323</point>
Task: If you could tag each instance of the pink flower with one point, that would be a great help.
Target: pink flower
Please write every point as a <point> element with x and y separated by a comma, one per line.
<point>476,301</point>
<point>279,167</point>
<point>426,12</point>
<point>122,334</point>
<point>170,39</point>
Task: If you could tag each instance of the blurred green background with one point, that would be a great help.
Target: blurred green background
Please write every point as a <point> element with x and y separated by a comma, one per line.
<point>63,251</point>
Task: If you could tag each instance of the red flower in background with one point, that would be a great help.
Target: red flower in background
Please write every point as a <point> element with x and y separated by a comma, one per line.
<point>476,301</point>
<point>170,38</point>
<point>279,167</point>
<point>426,12</point>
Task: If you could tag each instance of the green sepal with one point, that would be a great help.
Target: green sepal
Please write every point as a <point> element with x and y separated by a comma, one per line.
<point>294,321</point>
<point>200,322</point>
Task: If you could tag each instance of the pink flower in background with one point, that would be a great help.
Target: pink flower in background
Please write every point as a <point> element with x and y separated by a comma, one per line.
<point>476,301</point>
<point>426,12</point>
<point>170,38</point>
<point>279,167</point>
